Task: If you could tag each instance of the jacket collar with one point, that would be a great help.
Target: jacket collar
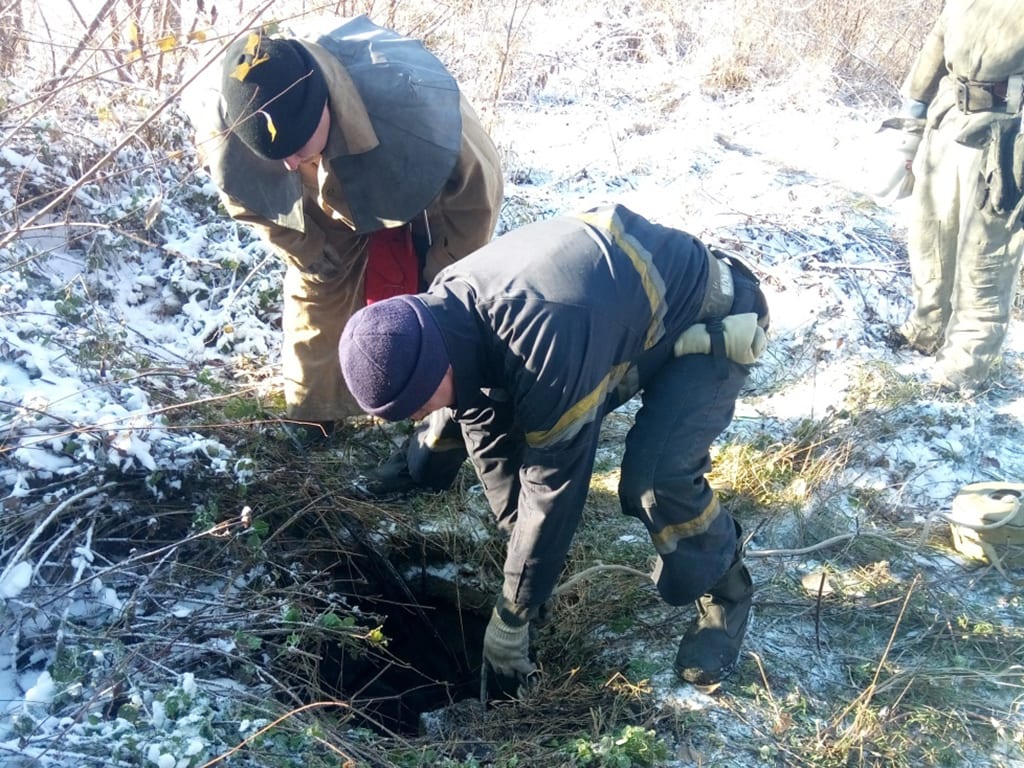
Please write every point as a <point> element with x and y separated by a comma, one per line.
<point>405,113</point>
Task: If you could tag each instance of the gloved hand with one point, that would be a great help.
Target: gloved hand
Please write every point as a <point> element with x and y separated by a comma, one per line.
<point>507,655</point>
<point>898,140</point>
<point>745,340</point>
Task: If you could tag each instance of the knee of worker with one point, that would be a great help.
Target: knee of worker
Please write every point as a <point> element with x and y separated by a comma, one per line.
<point>677,482</point>
<point>314,389</point>
<point>978,323</point>
<point>637,489</point>
<point>932,247</point>
<point>696,564</point>
<point>986,302</point>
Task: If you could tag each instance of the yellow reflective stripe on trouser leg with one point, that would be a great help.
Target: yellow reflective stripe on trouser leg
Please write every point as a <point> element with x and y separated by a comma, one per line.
<point>667,538</point>
<point>439,444</point>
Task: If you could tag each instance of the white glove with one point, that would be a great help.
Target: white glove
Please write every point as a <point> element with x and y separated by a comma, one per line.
<point>507,649</point>
<point>895,146</point>
<point>745,340</point>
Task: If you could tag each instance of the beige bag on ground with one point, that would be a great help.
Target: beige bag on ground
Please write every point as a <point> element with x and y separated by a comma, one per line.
<point>987,523</point>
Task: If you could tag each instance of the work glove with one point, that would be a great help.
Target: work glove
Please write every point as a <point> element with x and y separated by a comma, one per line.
<point>744,339</point>
<point>897,141</point>
<point>507,665</point>
<point>1000,186</point>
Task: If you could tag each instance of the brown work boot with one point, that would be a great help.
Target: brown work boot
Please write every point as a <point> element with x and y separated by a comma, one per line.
<point>923,341</point>
<point>711,644</point>
<point>894,339</point>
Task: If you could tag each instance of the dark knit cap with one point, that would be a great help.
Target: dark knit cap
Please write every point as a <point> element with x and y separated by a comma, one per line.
<point>393,357</point>
<point>274,93</point>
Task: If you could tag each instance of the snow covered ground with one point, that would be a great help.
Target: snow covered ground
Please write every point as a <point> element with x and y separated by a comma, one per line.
<point>777,174</point>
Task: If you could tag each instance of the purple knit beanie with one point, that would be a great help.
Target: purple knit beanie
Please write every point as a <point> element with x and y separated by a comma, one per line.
<point>393,357</point>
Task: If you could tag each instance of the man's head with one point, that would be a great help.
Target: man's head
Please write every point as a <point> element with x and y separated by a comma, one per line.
<point>274,94</point>
<point>393,357</point>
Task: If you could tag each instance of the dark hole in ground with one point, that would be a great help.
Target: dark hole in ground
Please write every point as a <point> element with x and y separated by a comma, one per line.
<point>432,660</point>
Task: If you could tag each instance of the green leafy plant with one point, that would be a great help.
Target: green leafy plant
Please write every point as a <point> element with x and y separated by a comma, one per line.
<point>633,747</point>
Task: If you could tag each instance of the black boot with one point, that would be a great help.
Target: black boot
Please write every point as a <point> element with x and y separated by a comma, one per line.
<point>390,479</point>
<point>711,644</point>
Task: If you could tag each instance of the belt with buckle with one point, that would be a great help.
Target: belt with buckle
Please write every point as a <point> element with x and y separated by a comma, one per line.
<point>989,95</point>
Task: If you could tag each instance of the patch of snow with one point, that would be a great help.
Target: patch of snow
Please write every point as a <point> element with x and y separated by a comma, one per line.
<point>16,580</point>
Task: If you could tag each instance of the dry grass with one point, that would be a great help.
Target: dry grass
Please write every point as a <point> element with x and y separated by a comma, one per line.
<point>864,47</point>
<point>273,598</point>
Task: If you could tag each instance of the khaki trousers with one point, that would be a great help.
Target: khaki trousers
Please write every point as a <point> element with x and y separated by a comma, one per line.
<point>963,261</point>
<point>314,314</point>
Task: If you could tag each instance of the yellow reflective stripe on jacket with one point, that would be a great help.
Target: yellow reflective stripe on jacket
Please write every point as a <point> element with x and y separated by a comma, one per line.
<point>583,412</point>
<point>586,409</point>
<point>643,263</point>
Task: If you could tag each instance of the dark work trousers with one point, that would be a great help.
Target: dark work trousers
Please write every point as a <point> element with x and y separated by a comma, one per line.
<point>662,483</point>
<point>684,408</point>
<point>436,450</point>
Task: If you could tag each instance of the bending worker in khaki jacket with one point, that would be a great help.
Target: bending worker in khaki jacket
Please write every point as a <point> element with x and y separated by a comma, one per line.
<point>533,340</point>
<point>356,156</point>
<point>964,236</point>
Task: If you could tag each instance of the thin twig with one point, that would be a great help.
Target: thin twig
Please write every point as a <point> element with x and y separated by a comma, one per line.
<point>595,569</point>
<point>274,724</point>
<point>764,675</point>
<point>824,545</point>
<point>71,189</point>
<point>54,514</point>
<point>83,561</point>
<point>862,701</point>
<point>90,31</point>
<point>817,611</point>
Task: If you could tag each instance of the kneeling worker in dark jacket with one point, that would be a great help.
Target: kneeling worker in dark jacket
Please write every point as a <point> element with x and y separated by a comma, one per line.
<point>531,341</point>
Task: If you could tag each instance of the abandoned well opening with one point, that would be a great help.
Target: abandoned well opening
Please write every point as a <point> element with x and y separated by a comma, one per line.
<point>432,660</point>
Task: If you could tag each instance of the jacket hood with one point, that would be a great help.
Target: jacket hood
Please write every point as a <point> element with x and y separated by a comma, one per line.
<point>396,131</point>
